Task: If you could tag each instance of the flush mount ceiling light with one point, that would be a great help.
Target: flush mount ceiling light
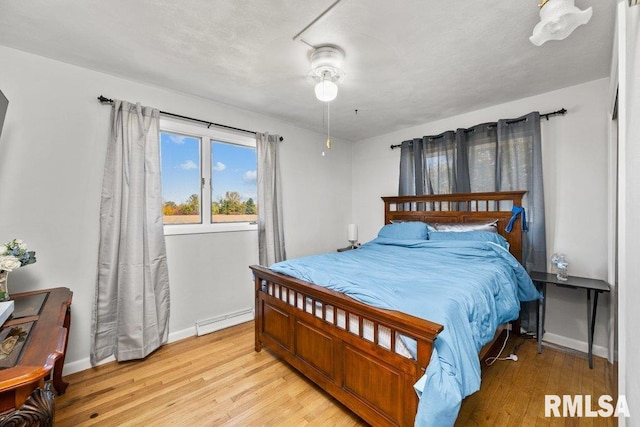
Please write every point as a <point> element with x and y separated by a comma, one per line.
<point>326,71</point>
<point>558,19</point>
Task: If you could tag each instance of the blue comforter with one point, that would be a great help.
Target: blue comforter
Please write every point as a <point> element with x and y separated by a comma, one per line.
<point>470,287</point>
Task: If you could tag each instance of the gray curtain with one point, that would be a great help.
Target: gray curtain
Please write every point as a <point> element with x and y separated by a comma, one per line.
<point>270,229</point>
<point>438,158</point>
<point>131,307</point>
<point>519,167</point>
<point>428,165</point>
<point>407,181</point>
<point>500,156</point>
<point>477,147</point>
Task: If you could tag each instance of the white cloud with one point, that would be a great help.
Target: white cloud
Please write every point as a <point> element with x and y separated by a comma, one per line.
<point>189,164</point>
<point>250,176</point>
<point>177,139</point>
<point>219,167</point>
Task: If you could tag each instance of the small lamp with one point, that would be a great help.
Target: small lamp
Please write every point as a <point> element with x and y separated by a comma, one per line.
<point>558,19</point>
<point>352,235</point>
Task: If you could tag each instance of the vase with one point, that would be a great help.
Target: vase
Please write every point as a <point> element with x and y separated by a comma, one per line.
<point>4,290</point>
<point>563,266</point>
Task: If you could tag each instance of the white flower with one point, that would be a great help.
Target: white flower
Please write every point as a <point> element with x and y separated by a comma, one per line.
<point>3,249</point>
<point>9,263</point>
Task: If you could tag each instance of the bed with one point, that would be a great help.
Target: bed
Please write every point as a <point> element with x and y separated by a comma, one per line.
<point>367,357</point>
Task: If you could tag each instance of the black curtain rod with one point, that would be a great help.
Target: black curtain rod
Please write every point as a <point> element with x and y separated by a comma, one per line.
<point>106,100</point>
<point>560,112</point>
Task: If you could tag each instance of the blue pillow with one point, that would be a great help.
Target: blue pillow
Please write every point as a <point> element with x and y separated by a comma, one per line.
<point>482,236</point>
<point>410,230</point>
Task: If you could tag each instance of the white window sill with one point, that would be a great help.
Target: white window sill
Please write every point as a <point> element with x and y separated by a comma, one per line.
<point>173,230</point>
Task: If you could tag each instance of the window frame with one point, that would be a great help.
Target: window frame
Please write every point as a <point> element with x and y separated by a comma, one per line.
<point>207,136</point>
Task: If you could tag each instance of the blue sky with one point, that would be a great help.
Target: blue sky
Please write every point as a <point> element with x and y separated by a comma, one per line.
<point>234,168</point>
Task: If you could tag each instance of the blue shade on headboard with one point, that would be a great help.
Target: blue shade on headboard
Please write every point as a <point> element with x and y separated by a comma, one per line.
<point>4,103</point>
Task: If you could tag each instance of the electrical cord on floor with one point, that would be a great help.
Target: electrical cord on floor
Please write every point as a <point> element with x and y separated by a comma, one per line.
<point>491,360</point>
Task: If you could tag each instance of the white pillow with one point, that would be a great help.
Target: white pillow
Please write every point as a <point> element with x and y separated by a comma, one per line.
<point>468,226</point>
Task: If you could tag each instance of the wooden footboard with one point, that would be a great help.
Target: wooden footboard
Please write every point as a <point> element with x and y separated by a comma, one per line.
<point>351,350</point>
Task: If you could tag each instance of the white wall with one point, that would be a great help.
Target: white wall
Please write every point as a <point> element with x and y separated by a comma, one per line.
<point>575,178</point>
<point>52,154</point>
<point>628,208</point>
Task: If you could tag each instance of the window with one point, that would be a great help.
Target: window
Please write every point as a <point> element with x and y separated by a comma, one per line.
<point>233,174</point>
<point>208,179</point>
<point>181,178</point>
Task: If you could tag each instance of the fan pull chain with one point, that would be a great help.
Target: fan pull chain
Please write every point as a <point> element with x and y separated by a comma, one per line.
<point>329,125</point>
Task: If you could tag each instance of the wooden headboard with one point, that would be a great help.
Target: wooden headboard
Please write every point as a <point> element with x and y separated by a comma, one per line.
<point>461,208</point>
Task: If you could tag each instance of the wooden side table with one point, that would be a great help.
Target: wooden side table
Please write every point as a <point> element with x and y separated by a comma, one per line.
<point>34,346</point>
<point>572,282</point>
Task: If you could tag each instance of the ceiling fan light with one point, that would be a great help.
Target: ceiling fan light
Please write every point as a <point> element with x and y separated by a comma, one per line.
<point>326,90</point>
<point>558,19</point>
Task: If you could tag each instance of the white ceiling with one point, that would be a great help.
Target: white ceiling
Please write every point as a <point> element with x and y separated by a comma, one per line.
<point>407,62</point>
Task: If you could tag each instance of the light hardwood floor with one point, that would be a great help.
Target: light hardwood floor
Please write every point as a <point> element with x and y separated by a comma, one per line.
<point>218,379</point>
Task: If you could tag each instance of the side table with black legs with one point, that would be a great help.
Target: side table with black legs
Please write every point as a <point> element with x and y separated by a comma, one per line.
<point>597,286</point>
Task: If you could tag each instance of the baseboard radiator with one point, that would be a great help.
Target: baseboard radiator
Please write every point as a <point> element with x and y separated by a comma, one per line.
<point>213,324</point>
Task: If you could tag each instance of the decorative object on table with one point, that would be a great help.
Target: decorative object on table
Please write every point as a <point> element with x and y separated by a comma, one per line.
<point>12,339</point>
<point>562,265</point>
<point>13,254</point>
<point>16,334</point>
<point>352,235</point>
<point>558,19</point>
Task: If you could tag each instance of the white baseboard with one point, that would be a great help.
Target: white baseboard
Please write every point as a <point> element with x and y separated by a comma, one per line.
<point>180,335</point>
<point>228,321</point>
<point>578,345</point>
<point>83,364</point>
<point>213,324</point>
